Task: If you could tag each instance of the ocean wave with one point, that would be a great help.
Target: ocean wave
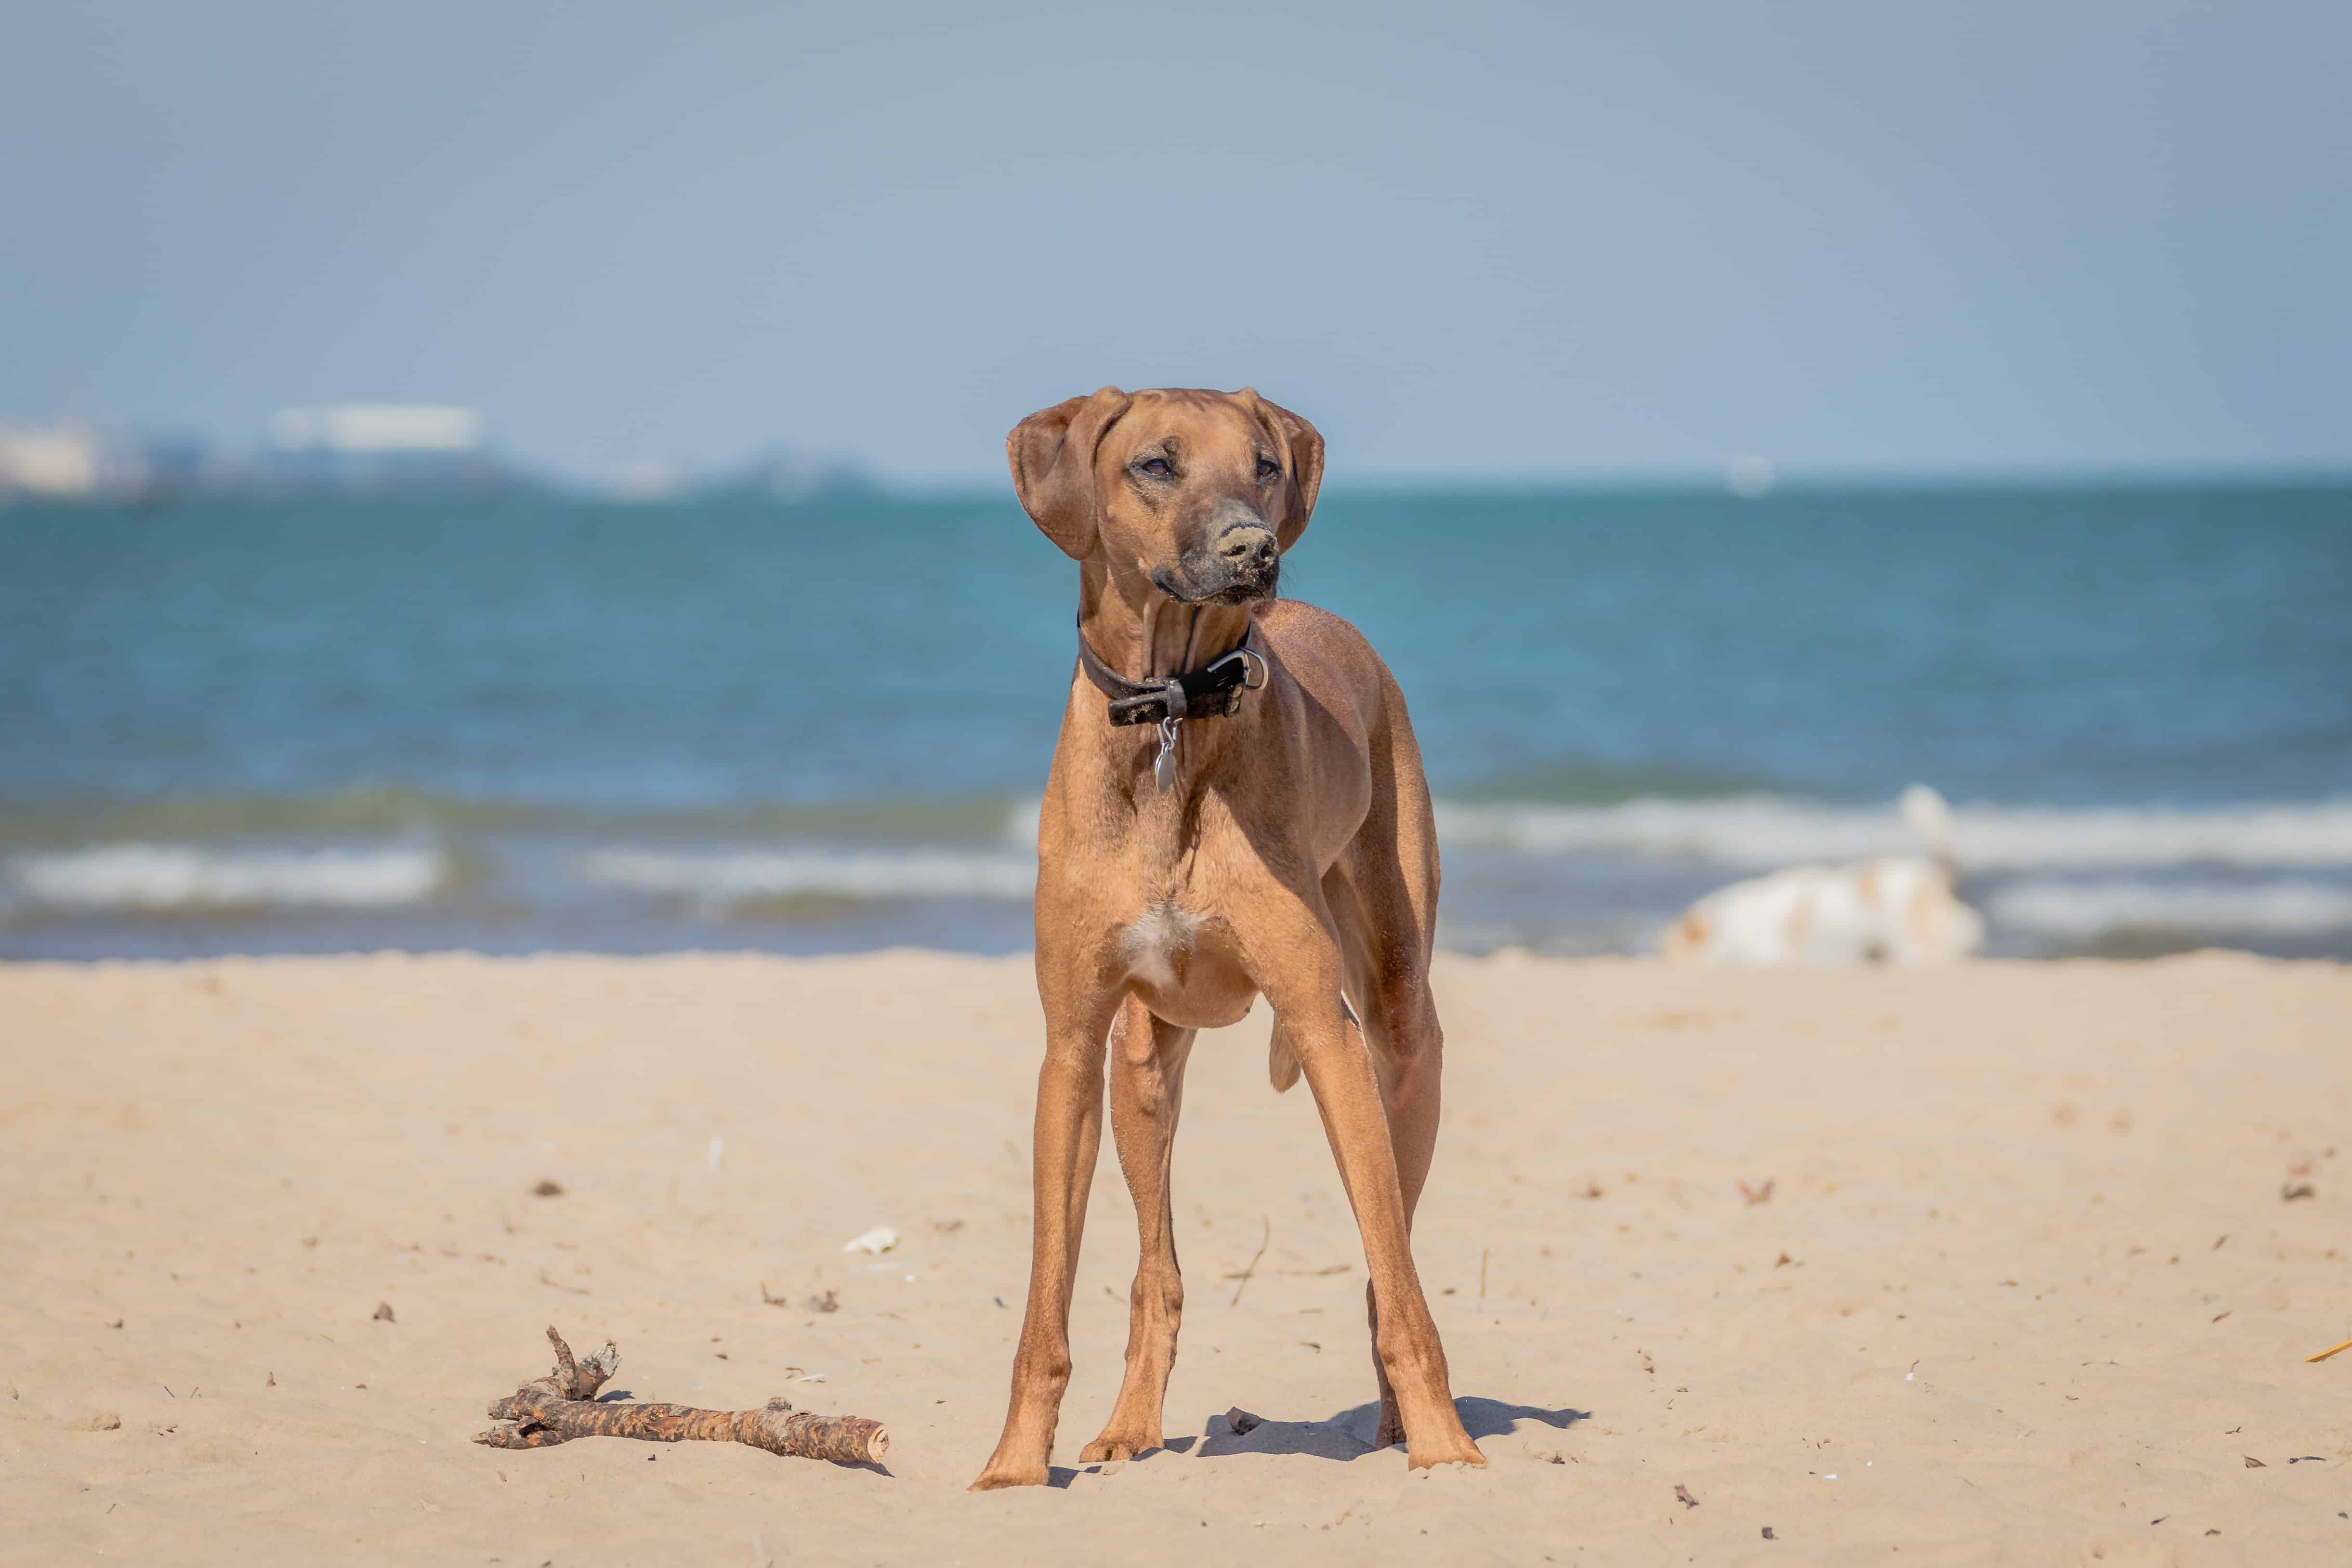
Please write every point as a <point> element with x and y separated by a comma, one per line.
<point>2089,908</point>
<point>383,811</point>
<point>1755,832</point>
<point>159,877</point>
<point>744,876</point>
<point>1744,833</point>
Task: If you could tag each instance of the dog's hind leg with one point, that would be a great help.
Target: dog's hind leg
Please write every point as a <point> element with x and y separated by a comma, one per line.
<point>1147,1095</point>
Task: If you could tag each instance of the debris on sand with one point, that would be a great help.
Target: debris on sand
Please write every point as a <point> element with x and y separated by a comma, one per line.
<point>547,1189</point>
<point>382,1313</point>
<point>1250,1271</point>
<point>563,1405</point>
<point>825,1301</point>
<point>874,1242</point>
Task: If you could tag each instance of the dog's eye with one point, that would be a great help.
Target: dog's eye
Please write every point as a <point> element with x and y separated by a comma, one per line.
<point>1156,467</point>
<point>1267,467</point>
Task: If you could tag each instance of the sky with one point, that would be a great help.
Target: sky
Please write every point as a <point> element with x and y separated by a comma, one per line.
<point>1499,241</point>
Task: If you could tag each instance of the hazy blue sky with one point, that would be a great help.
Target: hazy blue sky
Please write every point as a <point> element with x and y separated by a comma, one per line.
<point>1510,239</point>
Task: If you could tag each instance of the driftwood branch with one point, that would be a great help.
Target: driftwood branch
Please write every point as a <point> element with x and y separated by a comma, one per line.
<point>563,1405</point>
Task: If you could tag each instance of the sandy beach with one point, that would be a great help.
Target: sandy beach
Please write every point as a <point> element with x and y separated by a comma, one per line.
<point>2010,1263</point>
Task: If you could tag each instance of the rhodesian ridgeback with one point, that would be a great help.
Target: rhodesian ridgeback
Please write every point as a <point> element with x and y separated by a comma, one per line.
<point>1236,809</point>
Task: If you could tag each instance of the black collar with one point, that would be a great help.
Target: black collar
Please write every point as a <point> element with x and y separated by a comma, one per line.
<point>1211,691</point>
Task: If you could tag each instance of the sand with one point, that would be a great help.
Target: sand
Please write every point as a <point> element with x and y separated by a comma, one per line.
<point>2025,1286</point>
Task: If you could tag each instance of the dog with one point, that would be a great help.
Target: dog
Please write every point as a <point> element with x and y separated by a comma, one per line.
<point>1236,809</point>
<point>1900,909</point>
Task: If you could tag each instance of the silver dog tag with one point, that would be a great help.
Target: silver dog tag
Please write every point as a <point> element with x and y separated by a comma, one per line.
<point>1163,766</point>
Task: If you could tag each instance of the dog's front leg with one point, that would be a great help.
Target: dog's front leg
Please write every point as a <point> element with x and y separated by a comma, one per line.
<point>1067,1135</point>
<point>1147,1094</point>
<point>1302,980</point>
<point>1340,1072</point>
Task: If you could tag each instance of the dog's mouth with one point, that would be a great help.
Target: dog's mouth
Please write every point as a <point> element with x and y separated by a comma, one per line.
<point>1238,587</point>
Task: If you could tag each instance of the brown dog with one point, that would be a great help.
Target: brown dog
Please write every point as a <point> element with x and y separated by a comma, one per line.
<point>1277,839</point>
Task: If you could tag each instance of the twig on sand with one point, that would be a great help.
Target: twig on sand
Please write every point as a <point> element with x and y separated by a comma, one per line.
<point>2332,1350</point>
<point>1245,1273</point>
<point>563,1405</point>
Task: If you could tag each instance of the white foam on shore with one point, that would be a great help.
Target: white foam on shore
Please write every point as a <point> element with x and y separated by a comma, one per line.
<point>1763,831</point>
<point>2088,909</point>
<point>725,877</point>
<point>173,877</point>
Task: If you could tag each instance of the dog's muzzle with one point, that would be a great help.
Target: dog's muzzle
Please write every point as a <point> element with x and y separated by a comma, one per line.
<point>1242,563</point>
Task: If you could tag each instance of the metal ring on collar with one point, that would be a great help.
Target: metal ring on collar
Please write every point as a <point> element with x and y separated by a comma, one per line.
<point>1255,671</point>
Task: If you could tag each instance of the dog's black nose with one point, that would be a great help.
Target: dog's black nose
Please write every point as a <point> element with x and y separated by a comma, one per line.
<point>1248,546</point>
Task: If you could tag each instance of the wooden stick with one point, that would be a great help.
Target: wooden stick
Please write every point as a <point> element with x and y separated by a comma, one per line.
<point>563,1405</point>
<point>2332,1350</point>
<point>1251,1269</point>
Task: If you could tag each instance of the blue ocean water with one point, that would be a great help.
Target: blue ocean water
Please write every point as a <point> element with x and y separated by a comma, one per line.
<point>521,721</point>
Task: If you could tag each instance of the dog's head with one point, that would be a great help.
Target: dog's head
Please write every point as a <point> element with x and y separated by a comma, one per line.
<point>1197,492</point>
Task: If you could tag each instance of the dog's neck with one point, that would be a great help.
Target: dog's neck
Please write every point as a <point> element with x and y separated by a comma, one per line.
<point>1143,634</point>
<point>1147,636</point>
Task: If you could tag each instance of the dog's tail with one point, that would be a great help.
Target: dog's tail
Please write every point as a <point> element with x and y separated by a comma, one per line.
<point>1931,819</point>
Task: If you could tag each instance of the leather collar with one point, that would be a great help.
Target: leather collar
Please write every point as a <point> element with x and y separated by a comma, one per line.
<point>1212,691</point>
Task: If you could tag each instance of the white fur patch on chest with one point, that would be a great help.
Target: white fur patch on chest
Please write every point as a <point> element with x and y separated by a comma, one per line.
<point>1150,945</point>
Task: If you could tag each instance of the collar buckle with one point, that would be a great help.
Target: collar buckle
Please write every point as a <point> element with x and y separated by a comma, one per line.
<point>1212,691</point>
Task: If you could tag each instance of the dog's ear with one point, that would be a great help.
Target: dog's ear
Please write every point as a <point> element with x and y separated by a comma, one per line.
<point>1305,445</point>
<point>1052,454</point>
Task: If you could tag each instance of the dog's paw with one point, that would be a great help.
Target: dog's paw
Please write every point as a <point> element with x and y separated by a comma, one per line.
<point>1117,1446</point>
<point>1457,1450</point>
<point>997,1478</point>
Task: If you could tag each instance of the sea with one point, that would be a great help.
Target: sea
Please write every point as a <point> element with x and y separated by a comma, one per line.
<point>525,722</point>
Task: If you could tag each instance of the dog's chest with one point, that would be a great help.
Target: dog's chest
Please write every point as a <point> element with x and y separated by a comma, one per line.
<point>1185,967</point>
<point>1157,943</point>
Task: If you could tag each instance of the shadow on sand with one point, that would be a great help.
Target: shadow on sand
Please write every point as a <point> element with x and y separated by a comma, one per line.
<point>1349,1434</point>
<point>1344,1436</point>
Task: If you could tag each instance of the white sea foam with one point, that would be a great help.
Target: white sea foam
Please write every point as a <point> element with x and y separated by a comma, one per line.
<point>175,876</point>
<point>725,877</point>
<point>2087,909</point>
<point>1761,831</point>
